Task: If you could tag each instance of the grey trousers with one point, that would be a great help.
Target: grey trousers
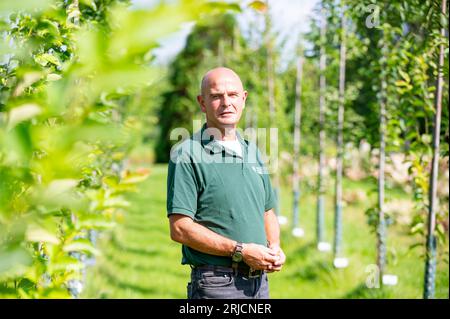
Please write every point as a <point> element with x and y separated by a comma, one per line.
<point>213,284</point>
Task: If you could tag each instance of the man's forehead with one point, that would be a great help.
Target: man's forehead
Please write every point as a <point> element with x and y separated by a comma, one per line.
<point>222,78</point>
<point>224,85</point>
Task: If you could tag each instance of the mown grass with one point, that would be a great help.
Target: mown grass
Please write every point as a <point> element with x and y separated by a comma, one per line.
<point>140,261</point>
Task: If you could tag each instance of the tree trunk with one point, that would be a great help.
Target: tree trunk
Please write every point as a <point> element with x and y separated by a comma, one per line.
<point>340,144</point>
<point>381,227</point>
<point>272,110</point>
<point>297,137</point>
<point>320,186</point>
<point>430,264</point>
<point>252,108</point>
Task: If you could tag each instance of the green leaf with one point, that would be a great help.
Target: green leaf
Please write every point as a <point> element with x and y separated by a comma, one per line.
<point>66,263</point>
<point>36,233</point>
<point>46,26</point>
<point>217,6</point>
<point>18,143</point>
<point>26,284</point>
<point>138,30</point>
<point>133,178</point>
<point>426,138</point>
<point>53,77</point>
<point>81,245</point>
<point>416,245</point>
<point>46,58</point>
<point>98,223</point>
<point>405,76</point>
<point>440,233</point>
<point>7,6</point>
<point>401,83</point>
<point>116,202</point>
<point>418,228</point>
<point>90,3</point>
<point>60,186</point>
<point>56,293</point>
<point>27,79</point>
<point>13,262</point>
<point>22,113</point>
<point>258,6</point>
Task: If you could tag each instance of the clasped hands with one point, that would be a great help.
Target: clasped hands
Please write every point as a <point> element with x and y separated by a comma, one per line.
<point>259,257</point>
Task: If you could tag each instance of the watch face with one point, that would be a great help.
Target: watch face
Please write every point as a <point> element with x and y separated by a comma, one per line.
<point>237,257</point>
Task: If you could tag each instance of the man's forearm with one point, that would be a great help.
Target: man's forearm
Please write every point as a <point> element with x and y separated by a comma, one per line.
<point>198,237</point>
<point>186,231</point>
<point>272,228</point>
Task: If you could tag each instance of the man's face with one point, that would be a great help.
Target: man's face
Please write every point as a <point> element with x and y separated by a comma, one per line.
<point>223,99</point>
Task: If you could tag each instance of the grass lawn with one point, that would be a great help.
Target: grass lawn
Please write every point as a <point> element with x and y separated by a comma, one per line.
<point>140,261</point>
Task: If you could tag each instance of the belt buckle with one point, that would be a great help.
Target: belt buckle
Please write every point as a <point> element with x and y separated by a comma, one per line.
<point>254,273</point>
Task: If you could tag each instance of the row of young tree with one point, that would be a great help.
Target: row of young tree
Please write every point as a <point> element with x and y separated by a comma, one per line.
<point>374,71</point>
<point>394,52</point>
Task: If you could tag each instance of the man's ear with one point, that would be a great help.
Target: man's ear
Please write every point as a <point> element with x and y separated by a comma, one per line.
<point>244,98</point>
<point>201,102</point>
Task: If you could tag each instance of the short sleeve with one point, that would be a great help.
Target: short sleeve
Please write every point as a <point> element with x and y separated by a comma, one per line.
<point>181,188</point>
<point>270,198</point>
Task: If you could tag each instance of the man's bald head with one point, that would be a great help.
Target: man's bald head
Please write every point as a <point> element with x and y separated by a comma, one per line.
<point>222,98</point>
<point>216,74</point>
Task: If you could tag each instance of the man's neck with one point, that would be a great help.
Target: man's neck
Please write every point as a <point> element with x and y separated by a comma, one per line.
<point>227,133</point>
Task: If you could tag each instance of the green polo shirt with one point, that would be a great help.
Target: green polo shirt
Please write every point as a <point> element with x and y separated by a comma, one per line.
<point>220,190</point>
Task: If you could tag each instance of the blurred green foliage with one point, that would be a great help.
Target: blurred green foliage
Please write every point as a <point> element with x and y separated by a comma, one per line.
<point>72,75</point>
<point>179,104</point>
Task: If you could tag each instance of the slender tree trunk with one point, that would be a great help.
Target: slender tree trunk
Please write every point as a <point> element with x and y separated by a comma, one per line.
<point>251,109</point>
<point>248,112</point>
<point>255,118</point>
<point>430,264</point>
<point>322,106</point>
<point>381,227</point>
<point>272,110</point>
<point>248,116</point>
<point>297,140</point>
<point>340,144</point>
<point>235,44</point>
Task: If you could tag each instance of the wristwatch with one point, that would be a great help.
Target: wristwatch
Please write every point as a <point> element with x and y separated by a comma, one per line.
<point>237,254</point>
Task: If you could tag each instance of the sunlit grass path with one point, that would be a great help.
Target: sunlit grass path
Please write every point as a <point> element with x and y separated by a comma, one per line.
<point>140,261</point>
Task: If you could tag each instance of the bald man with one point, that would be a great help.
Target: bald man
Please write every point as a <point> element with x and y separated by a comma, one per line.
<point>220,200</point>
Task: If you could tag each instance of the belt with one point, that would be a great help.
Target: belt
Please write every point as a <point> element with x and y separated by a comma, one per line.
<point>242,269</point>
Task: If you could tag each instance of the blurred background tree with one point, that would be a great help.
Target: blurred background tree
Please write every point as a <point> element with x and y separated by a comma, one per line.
<point>212,42</point>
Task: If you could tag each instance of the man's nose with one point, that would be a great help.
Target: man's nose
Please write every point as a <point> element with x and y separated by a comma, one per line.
<point>226,100</point>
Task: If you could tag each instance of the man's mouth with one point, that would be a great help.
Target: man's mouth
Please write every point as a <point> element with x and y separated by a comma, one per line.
<point>225,113</point>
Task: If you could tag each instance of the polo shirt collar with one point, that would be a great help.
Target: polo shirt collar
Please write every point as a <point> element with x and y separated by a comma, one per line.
<point>210,144</point>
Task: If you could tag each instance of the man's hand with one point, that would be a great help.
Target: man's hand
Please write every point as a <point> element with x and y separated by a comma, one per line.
<point>278,264</point>
<point>258,256</point>
<point>273,237</point>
